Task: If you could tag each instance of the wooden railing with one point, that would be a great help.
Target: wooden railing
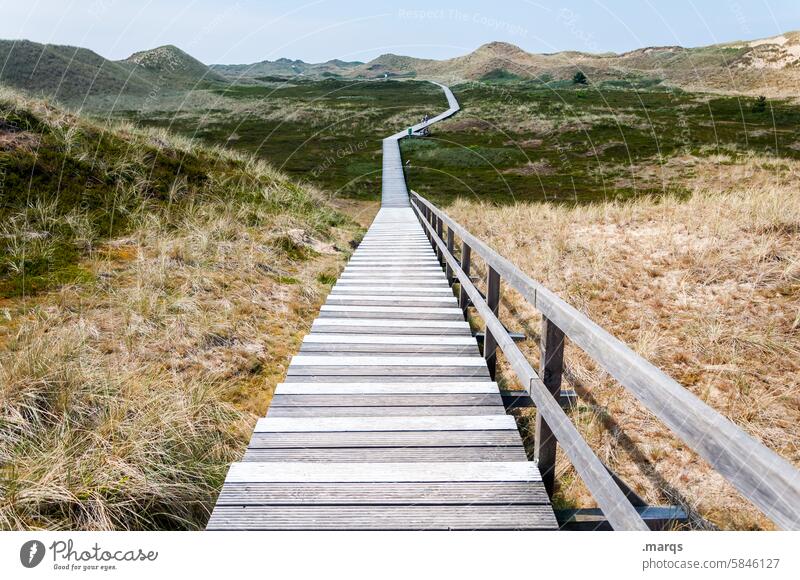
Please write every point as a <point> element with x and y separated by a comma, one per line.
<point>770,482</point>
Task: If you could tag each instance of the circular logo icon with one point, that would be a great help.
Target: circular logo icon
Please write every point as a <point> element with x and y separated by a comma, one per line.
<point>31,553</point>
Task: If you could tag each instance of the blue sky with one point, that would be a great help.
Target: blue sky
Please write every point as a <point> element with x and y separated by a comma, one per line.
<point>245,31</point>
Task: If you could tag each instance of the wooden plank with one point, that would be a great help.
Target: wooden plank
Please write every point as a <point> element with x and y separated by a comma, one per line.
<point>372,361</point>
<point>428,517</point>
<point>380,289</point>
<point>426,375</point>
<point>357,424</point>
<point>388,350</point>
<point>463,493</point>
<point>281,399</point>
<point>286,472</point>
<point>389,339</point>
<point>391,312</point>
<point>391,327</point>
<point>441,325</point>
<point>309,411</point>
<point>388,455</point>
<point>387,371</point>
<point>388,388</point>
<point>424,301</point>
<point>385,439</point>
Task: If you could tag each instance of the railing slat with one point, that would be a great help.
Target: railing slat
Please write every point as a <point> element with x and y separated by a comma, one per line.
<point>466,256</point>
<point>451,238</point>
<point>760,474</point>
<point>493,301</point>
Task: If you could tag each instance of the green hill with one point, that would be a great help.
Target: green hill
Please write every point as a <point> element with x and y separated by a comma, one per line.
<point>173,66</point>
<point>284,67</point>
<point>73,75</point>
<point>66,73</point>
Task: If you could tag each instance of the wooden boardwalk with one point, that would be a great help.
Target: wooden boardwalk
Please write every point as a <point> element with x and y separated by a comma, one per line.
<point>387,419</point>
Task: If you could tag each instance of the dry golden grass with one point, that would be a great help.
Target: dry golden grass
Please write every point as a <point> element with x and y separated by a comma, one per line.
<point>126,394</point>
<point>707,288</point>
<point>124,401</point>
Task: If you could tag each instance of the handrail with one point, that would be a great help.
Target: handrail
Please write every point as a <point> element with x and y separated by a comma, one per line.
<point>762,476</point>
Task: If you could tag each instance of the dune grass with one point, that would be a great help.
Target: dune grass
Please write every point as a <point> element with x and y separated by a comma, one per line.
<point>707,287</point>
<point>127,390</point>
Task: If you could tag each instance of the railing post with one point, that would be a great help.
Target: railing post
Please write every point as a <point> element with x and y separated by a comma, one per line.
<point>451,240</point>
<point>463,297</point>
<point>439,235</point>
<point>493,301</point>
<point>429,219</point>
<point>551,370</point>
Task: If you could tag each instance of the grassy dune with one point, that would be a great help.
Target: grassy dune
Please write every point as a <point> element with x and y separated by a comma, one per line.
<point>152,290</point>
<point>707,287</point>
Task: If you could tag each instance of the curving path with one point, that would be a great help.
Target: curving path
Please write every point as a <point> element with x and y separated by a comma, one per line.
<point>387,419</point>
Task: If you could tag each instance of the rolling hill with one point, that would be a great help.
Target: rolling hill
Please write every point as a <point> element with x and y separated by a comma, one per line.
<point>770,66</point>
<point>170,64</point>
<point>72,74</point>
<point>284,67</point>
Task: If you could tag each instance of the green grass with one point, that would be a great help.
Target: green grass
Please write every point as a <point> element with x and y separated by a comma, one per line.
<point>514,140</point>
<point>588,140</point>
<point>337,149</point>
<point>68,183</point>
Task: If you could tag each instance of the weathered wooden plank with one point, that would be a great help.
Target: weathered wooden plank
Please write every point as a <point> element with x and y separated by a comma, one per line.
<point>463,493</point>
<point>356,424</point>
<point>389,350</point>
<point>399,324</point>
<point>411,378</point>
<point>309,411</point>
<point>257,472</point>
<point>428,517</point>
<point>372,361</point>
<point>281,399</point>
<point>400,290</point>
<point>389,339</point>
<point>391,312</point>
<point>385,439</point>
<point>422,301</point>
<point>449,372</point>
<point>388,455</point>
<point>388,388</point>
<point>392,327</point>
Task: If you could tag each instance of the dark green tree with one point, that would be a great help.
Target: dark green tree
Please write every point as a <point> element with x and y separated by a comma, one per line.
<point>760,105</point>
<point>579,78</point>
